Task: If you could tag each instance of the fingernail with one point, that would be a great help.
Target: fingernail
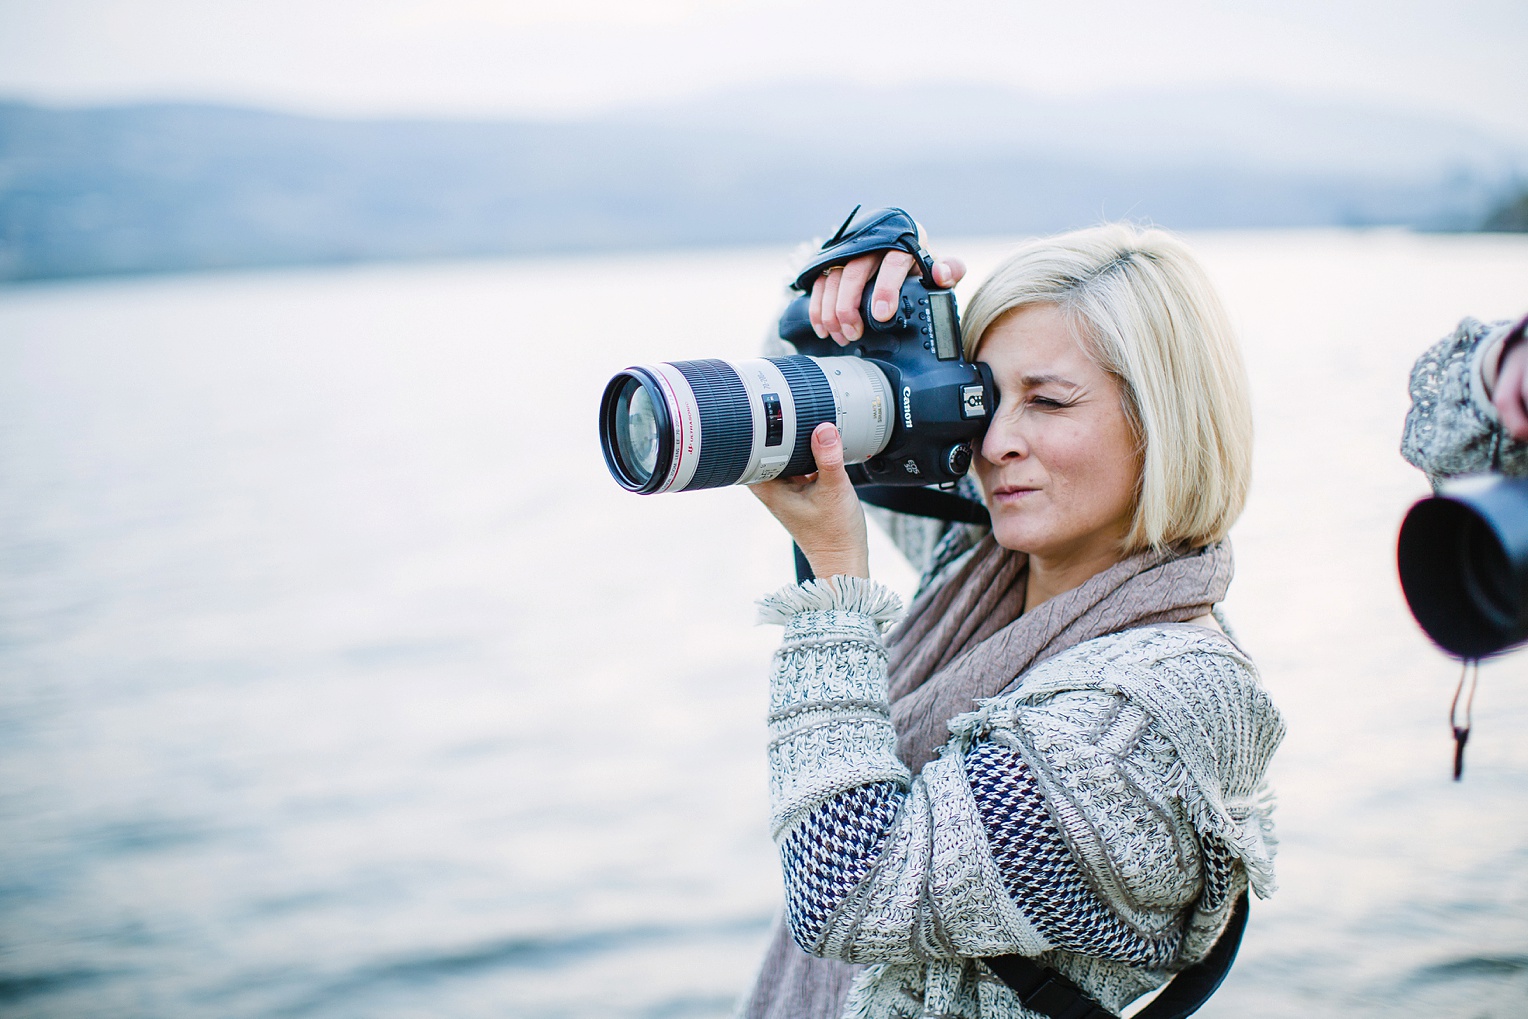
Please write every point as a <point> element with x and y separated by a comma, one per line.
<point>851,331</point>
<point>822,333</point>
<point>941,273</point>
<point>882,310</point>
<point>829,436</point>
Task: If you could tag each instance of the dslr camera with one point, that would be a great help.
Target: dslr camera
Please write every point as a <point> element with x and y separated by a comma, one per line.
<point>1463,561</point>
<point>907,403</point>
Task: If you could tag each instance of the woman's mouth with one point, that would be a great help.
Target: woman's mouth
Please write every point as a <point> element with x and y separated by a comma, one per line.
<point>1009,495</point>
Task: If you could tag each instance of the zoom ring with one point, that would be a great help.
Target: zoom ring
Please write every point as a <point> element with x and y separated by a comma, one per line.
<point>814,405</point>
<point>726,422</point>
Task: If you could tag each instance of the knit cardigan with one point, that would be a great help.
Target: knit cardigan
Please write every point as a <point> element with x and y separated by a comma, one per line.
<point>1452,427</point>
<point>1103,815</point>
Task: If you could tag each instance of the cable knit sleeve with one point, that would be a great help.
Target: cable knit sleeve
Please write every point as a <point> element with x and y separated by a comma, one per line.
<point>1452,427</point>
<point>1043,826</point>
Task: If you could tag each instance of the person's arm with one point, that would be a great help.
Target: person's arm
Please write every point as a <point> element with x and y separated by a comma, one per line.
<point>1467,404</point>
<point>1000,846</point>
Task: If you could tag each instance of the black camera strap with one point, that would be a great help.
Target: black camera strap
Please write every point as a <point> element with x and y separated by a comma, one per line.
<point>1041,989</point>
<point>926,502</point>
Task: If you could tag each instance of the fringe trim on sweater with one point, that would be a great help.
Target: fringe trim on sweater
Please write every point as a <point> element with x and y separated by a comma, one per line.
<point>840,593</point>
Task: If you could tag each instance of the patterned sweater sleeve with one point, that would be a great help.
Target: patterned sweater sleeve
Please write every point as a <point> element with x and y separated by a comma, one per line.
<point>1055,830</point>
<point>1452,427</point>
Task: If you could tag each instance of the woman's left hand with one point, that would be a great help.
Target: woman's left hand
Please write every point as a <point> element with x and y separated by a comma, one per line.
<point>835,305</point>
<point>821,511</point>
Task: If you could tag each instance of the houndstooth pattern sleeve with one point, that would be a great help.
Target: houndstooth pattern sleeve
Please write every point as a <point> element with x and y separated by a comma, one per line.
<point>1452,428</point>
<point>826,857</point>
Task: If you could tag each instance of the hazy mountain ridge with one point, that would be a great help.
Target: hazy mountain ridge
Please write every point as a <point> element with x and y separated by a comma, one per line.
<point>172,187</point>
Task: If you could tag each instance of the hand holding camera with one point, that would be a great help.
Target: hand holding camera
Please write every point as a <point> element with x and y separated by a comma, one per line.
<point>838,293</point>
<point>821,511</point>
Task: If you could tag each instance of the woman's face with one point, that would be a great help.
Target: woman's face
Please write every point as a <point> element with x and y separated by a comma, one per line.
<point>1059,465</point>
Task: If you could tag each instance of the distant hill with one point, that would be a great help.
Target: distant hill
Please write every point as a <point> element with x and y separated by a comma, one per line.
<point>174,187</point>
<point>1511,216</point>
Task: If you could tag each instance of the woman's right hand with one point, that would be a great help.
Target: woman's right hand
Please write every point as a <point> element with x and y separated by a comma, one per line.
<point>821,510</point>
<point>836,296</point>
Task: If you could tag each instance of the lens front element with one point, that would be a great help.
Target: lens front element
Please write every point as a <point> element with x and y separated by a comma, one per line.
<point>636,429</point>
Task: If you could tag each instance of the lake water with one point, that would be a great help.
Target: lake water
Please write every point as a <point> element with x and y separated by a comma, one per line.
<point>337,678</point>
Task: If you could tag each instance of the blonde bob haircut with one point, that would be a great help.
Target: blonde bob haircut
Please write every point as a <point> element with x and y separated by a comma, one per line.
<point>1145,311</point>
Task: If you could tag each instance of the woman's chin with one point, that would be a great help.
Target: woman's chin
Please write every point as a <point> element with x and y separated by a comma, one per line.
<point>1014,535</point>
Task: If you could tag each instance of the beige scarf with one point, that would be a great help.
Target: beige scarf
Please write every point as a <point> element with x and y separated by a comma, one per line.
<point>968,639</point>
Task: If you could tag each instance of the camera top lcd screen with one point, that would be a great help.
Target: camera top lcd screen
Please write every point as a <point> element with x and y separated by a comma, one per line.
<point>946,327</point>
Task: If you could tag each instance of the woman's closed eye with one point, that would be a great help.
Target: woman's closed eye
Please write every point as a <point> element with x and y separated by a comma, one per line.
<point>1040,401</point>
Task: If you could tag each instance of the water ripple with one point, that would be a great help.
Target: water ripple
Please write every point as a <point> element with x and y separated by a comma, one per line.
<point>545,951</point>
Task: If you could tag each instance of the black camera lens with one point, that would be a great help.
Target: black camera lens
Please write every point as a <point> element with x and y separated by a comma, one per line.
<point>1463,561</point>
<point>1486,573</point>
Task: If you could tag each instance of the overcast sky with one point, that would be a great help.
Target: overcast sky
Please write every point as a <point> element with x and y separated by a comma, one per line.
<point>1466,58</point>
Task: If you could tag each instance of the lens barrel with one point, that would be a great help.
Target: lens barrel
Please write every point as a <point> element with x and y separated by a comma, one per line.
<point>1463,560</point>
<point>679,426</point>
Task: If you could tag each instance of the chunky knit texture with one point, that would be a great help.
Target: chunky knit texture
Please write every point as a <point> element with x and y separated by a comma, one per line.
<point>1452,428</point>
<point>1101,815</point>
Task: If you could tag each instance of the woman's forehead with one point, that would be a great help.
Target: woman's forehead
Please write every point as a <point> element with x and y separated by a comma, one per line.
<point>1038,342</point>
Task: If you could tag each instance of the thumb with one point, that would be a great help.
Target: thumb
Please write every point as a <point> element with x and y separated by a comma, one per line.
<point>828,450</point>
<point>949,271</point>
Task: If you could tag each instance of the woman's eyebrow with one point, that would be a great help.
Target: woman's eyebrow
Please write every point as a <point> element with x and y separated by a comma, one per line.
<point>1031,381</point>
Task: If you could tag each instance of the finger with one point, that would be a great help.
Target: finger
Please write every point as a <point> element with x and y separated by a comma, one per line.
<point>888,284</point>
<point>851,290</point>
<point>949,271</point>
<point>814,307</point>
<point>830,322</point>
<point>1512,394</point>
<point>828,451</point>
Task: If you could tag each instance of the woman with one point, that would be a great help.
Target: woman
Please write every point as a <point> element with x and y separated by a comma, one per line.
<point>1060,752</point>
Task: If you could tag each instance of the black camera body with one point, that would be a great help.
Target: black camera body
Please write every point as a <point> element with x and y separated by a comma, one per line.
<point>943,402</point>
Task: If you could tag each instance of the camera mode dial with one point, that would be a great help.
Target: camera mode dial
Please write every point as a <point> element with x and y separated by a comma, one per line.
<point>958,458</point>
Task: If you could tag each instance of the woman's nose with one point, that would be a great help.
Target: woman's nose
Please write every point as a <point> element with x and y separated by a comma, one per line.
<point>1004,440</point>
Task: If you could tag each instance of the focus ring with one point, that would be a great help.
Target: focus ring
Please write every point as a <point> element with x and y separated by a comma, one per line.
<point>726,422</point>
<point>813,397</point>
